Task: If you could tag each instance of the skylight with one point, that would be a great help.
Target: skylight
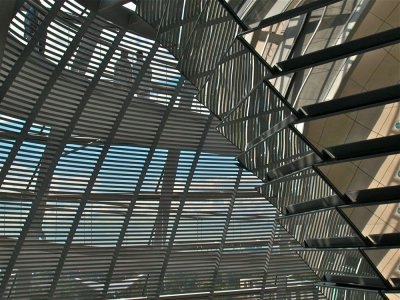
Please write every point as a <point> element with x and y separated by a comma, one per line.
<point>130,5</point>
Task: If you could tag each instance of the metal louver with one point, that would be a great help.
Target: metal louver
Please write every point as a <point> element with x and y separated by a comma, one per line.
<point>162,153</point>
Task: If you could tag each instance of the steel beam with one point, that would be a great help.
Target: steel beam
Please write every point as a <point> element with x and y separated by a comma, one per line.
<point>306,161</point>
<point>376,195</point>
<point>361,45</point>
<point>225,233</point>
<point>334,242</point>
<point>368,148</point>
<point>358,281</point>
<point>233,15</point>
<point>385,239</point>
<point>96,170</point>
<point>39,34</point>
<point>268,259</point>
<point>303,9</point>
<point>315,204</point>
<point>166,197</point>
<point>22,136</point>
<point>8,10</point>
<point>138,187</point>
<point>180,209</point>
<point>351,103</point>
<point>121,16</point>
<point>39,196</point>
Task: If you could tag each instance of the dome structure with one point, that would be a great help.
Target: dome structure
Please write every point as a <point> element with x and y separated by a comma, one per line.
<point>205,149</point>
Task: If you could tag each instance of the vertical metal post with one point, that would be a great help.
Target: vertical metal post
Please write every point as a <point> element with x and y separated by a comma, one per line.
<point>225,232</point>
<point>96,170</point>
<point>180,210</point>
<point>138,187</point>
<point>57,153</point>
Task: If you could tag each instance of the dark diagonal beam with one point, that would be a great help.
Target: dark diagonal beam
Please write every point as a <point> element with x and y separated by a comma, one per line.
<point>166,195</point>
<point>7,12</point>
<point>268,258</point>
<point>358,46</point>
<point>39,34</point>
<point>138,187</point>
<point>303,9</point>
<point>351,103</point>
<point>23,135</point>
<point>370,196</point>
<point>180,209</point>
<point>123,109</point>
<point>375,147</point>
<point>225,233</point>
<point>61,146</point>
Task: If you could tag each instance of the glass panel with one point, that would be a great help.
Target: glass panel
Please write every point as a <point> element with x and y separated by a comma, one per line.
<point>274,43</point>
<point>360,125</point>
<point>340,262</point>
<point>364,174</point>
<point>340,293</point>
<point>387,261</point>
<point>252,12</point>
<point>375,219</point>
<point>353,75</point>
<point>393,296</point>
<point>325,27</point>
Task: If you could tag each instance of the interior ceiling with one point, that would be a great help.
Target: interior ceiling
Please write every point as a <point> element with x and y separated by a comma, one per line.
<point>200,149</point>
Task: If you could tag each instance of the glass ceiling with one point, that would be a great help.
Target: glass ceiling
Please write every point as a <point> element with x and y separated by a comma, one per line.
<point>200,149</point>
